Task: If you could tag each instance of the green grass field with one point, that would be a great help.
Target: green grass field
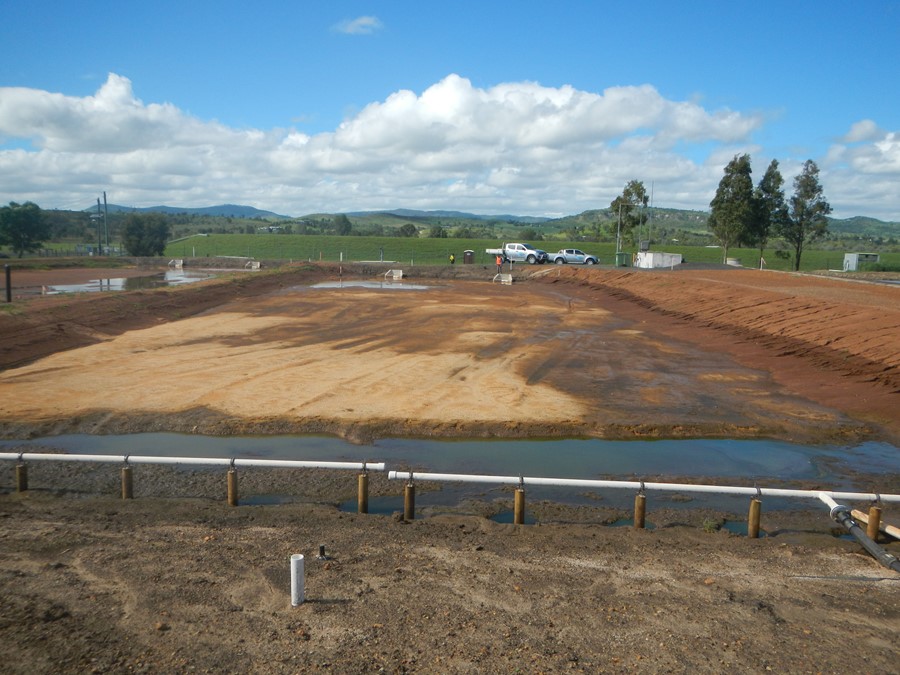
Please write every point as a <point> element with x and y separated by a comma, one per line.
<point>412,251</point>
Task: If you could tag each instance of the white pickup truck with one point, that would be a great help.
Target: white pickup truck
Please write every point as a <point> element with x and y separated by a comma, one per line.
<point>520,253</point>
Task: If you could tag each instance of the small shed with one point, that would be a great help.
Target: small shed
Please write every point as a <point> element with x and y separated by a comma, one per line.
<point>852,260</point>
<point>651,259</point>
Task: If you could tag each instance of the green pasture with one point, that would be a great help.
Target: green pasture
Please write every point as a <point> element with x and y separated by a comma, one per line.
<point>427,251</point>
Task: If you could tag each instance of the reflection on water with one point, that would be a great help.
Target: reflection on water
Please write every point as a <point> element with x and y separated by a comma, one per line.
<point>168,278</point>
<point>741,463</point>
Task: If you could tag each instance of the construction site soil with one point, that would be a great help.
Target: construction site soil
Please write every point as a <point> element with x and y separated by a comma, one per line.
<point>177,581</point>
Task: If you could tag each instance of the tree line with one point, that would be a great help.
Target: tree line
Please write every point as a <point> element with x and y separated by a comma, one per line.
<point>741,214</point>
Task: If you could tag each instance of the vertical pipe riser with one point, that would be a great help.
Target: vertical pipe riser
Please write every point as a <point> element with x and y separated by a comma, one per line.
<point>298,582</point>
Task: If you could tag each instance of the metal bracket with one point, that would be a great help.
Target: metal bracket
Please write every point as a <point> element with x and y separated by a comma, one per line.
<point>409,482</point>
<point>521,482</point>
<point>125,460</point>
<point>364,469</point>
<point>641,490</point>
<point>233,468</point>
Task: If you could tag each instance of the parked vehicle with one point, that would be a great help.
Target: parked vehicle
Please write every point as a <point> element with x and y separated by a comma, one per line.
<point>573,256</point>
<point>517,252</point>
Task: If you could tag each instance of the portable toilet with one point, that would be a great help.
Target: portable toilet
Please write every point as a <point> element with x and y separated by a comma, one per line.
<point>468,257</point>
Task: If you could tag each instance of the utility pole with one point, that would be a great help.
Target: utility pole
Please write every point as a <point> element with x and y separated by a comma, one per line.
<point>105,221</point>
<point>99,231</point>
<point>619,232</point>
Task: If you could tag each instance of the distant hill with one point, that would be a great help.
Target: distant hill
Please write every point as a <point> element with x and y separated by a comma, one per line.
<point>861,226</point>
<point>223,210</point>
<point>695,221</point>
<point>688,220</point>
<point>414,214</point>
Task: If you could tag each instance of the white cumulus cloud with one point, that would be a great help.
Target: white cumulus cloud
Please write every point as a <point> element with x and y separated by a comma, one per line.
<point>516,147</point>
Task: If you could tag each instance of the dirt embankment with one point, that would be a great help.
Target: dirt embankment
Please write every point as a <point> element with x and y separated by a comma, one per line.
<point>835,341</point>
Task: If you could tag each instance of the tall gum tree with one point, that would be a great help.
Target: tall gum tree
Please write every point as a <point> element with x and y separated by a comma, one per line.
<point>806,219</point>
<point>23,227</point>
<point>630,210</point>
<point>770,209</point>
<point>732,209</point>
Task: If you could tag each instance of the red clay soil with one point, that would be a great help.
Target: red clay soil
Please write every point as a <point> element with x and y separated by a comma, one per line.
<point>834,341</point>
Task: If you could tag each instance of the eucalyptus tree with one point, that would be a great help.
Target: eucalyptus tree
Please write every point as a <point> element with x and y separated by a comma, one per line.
<point>630,209</point>
<point>145,234</point>
<point>342,225</point>
<point>23,227</point>
<point>806,219</point>
<point>770,209</point>
<point>732,208</point>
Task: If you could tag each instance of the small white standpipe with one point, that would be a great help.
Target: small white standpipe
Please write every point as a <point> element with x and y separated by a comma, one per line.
<point>296,579</point>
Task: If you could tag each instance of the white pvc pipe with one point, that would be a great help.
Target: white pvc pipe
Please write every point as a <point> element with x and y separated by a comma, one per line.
<point>638,485</point>
<point>297,580</point>
<point>827,499</point>
<point>200,461</point>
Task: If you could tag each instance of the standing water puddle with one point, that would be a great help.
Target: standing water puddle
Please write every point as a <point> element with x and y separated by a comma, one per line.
<point>168,278</point>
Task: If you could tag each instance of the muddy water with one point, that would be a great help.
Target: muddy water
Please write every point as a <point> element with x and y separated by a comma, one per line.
<point>732,462</point>
<point>168,278</point>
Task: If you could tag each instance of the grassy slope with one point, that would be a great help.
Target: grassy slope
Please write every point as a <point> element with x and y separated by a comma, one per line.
<point>436,251</point>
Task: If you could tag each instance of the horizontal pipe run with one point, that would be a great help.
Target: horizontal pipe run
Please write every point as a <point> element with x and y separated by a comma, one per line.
<point>638,485</point>
<point>199,461</point>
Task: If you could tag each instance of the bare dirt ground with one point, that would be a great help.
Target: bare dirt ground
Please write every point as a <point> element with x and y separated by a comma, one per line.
<point>572,352</point>
<point>176,581</point>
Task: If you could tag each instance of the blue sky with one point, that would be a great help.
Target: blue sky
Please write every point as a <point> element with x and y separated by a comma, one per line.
<point>533,108</point>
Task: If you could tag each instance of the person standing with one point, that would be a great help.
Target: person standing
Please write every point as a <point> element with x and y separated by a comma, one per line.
<point>452,258</point>
<point>499,263</point>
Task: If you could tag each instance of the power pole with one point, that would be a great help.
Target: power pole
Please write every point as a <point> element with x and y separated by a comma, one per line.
<point>105,222</point>
<point>99,231</point>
